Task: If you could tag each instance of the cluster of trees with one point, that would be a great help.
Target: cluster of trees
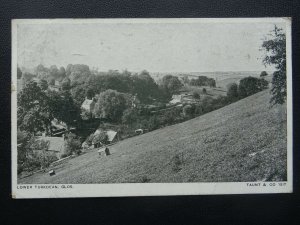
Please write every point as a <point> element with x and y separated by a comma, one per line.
<point>142,85</point>
<point>112,91</point>
<point>111,105</point>
<point>275,54</point>
<point>200,81</point>
<point>247,86</point>
<point>32,152</point>
<point>50,74</point>
<point>170,85</point>
<point>37,107</point>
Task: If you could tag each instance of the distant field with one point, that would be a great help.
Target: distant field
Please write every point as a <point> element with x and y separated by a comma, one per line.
<point>212,92</point>
<point>222,78</point>
<point>244,141</point>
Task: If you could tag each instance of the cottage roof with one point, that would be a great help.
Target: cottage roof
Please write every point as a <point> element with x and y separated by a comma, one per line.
<point>87,102</point>
<point>111,135</point>
<point>56,144</point>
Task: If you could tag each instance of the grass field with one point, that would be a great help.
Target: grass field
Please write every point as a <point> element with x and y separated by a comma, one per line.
<point>244,141</point>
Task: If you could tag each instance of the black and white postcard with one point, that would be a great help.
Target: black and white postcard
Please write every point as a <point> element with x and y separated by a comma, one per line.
<point>147,107</point>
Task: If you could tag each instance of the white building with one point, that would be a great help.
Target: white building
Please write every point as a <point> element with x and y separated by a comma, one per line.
<point>88,105</point>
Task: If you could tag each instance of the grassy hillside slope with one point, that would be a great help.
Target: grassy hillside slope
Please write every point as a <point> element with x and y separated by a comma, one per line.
<point>244,141</point>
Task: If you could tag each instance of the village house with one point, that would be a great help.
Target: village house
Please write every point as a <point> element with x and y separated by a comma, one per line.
<point>55,87</point>
<point>112,137</point>
<point>88,105</point>
<point>176,99</point>
<point>56,145</point>
<point>87,108</point>
<point>182,98</point>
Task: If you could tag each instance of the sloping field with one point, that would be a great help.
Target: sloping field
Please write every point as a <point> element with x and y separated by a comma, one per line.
<point>244,141</point>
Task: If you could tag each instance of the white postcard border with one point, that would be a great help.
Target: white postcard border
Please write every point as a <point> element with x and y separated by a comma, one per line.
<point>149,189</point>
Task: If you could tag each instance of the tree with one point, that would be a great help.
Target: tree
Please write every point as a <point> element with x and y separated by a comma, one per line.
<point>263,74</point>
<point>251,85</point>
<point>51,81</point>
<point>275,49</point>
<point>188,110</point>
<point>77,73</point>
<point>171,84</point>
<point>73,144</point>
<point>170,116</point>
<point>28,76</point>
<point>34,114</point>
<point>42,72</point>
<point>79,92</point>
<point>196,95</point>
<point>90,93</point>
<point>32,152</point>
<point>145,87</point>
<point>43,84</point>
<point>66,84</point>
<point>41,156</point>
<point>232,91</point>
<point>153,123</point>
<point>63,107</point>
<point>130,116</point>
<point>211,82</point>
<point>23,138</point>
<point>61,73</point>
<point>111,105</point>
<point>203,81</point>
<point>54,72</point>
<point>185,79</point>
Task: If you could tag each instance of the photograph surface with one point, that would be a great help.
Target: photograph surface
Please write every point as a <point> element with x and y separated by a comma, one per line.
<point>137,107</point>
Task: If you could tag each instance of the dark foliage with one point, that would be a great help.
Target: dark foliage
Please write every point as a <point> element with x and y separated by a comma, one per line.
<point>275,48</point>
<point>251,85</point>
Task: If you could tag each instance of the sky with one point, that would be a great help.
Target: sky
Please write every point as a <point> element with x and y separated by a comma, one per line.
<point>156,47</point>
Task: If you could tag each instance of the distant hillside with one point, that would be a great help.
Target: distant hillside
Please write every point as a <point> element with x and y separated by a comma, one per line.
<point>223,78</point>
<point>244,141</point>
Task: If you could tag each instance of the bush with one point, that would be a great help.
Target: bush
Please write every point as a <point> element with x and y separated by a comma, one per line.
<point>198,110</point>
<point>196,95</point>
<point>188,111</point>
<point>46,158</point>
<point>232,91</point>
<point>207,104</point>
<point>220,102</point>
<point>101,137</point>
<point>204,91</point>
<point>153,123</point>
<point>130,116</point>
<point>263,74</point>
<point>170,117</point>
<point>73,144</point>
<point>64,155</point>
<point>111,105</point>
<point>251,85</point>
